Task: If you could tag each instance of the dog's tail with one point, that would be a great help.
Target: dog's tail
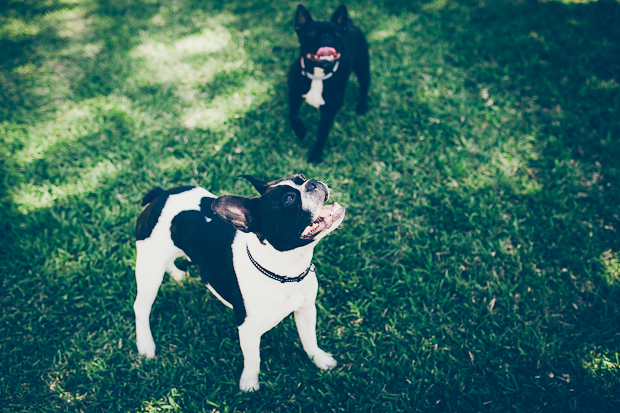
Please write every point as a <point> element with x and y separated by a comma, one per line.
<point>153,193</point>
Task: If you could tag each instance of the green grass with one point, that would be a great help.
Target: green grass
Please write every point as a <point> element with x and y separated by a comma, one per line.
<point>478,267</point>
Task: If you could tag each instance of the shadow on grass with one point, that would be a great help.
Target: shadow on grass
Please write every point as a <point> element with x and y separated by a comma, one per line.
<point>555,65</point>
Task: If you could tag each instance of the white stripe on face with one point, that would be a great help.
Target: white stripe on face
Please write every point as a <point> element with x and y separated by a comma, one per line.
<point>311,202</point>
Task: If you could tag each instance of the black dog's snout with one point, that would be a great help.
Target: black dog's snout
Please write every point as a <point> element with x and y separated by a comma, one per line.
<point>326,37</point>
<point>312,184</point>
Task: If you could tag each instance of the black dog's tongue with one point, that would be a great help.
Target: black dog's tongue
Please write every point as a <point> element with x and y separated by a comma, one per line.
<point>326,51</point>
<point>324,54</point>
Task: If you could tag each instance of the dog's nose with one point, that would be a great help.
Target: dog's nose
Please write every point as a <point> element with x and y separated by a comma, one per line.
<point>311,185</point>
<point>326,37</point>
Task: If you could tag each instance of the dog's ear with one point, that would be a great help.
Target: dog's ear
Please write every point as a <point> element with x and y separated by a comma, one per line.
<point>341,16</point>
<point>239,211</point>
<point>261,186</point>
<point>302,17</point>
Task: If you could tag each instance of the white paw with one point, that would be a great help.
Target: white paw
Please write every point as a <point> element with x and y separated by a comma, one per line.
<point>178,275</point>
<point>146,348</point>
<point>323,360</point>
<point>250,383</point>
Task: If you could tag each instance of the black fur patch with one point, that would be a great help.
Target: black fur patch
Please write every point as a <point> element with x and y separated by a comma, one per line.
<point>153,193</point>
<point>149,217</point>
<point>156,199</point>
<point>208,245</point>
<point>180,189</point>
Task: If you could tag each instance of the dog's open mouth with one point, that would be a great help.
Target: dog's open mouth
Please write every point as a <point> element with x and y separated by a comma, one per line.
<point>324,54</point>
<point>328,215</point>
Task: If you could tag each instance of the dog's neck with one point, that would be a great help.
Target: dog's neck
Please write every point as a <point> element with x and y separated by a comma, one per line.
<point>285,263</point>
<point>314,72</point>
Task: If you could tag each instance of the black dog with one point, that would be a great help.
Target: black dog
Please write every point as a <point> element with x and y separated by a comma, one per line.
<point>328,53</point>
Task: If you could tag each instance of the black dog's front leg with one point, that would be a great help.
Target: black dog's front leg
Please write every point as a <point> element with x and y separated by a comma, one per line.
<point>295,100</point>
<point>328,113</point>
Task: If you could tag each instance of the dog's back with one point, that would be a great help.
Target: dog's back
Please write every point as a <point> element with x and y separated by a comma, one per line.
<point>179,222</point>
<point>163,205</point>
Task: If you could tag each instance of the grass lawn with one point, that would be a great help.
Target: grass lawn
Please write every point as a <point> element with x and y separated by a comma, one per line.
<point>478,268</point>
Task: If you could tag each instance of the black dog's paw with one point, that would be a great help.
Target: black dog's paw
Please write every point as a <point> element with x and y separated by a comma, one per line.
<point>299,128</point>
<point>316,156</point>
<point>362,107</point>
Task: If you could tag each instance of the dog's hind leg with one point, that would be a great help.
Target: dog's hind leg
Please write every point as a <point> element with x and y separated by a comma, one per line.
<point>150,269</point>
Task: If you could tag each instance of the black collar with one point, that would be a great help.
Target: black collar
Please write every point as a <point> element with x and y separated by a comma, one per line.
<point>277,277</point>
<point>311,76</point>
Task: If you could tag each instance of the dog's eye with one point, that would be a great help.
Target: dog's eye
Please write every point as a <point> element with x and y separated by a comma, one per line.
<point>289,198</point>
<point>312,33</point>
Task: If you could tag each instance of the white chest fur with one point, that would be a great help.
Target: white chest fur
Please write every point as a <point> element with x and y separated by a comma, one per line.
<point>314,97</point>
<point>268,301</point>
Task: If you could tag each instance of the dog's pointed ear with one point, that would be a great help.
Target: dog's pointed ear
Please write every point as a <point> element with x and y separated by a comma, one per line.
<point>239,211</point>
<point>341,16</point>
<point>302,17</point>
<point>261,186</point>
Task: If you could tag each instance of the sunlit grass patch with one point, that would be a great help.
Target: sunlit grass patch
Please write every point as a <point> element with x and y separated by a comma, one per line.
<point>29,198</point>
<point>207,41</point>
<point>13,28</point>
<point>604,365</point>
<point>611,264</point>
<point>191,60</point>
<point>435,5</point>
<point>172,164</point>
<point>70,22</point>
<point>214,114</point>
<point>64,396</point>
<point>387,28</point>
<point>70,123</point>
<point>165,403</point>
<point>576,1</point>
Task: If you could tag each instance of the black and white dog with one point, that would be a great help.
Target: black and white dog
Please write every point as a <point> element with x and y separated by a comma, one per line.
<point>254,254</point>
<point>329,51</point>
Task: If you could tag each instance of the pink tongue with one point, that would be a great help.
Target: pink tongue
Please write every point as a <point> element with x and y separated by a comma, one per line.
<point>327,210</point>
<point>326,51</point>
<point>325,213</point>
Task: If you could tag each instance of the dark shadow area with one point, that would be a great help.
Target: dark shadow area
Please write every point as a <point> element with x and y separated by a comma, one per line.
<point>558,64</point>
<point>562,56</point>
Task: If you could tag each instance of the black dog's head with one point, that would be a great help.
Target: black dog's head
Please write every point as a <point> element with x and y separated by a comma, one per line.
<point>290,212</point>
<point>321,42</point>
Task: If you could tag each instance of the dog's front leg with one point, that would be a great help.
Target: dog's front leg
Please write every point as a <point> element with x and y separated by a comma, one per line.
<point>305,318</point>
<point>249,339</point>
